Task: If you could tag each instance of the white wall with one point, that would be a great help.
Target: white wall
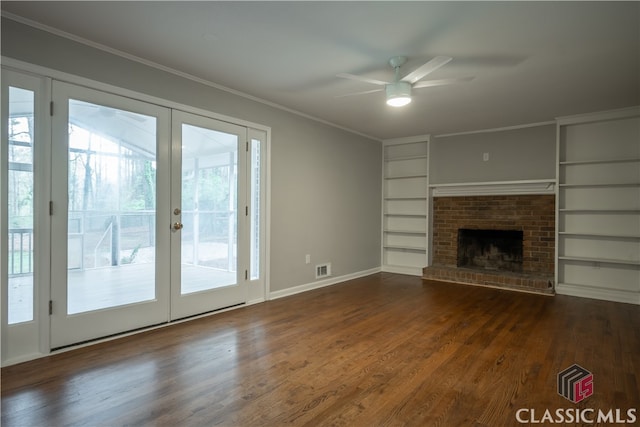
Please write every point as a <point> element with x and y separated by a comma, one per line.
<point>326,182</point>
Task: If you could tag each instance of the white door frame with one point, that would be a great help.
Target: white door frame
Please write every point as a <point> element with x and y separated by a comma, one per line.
<point>69,329</point>
<point>217,298</point>
<point>39,339</point>
<point>25,341</point>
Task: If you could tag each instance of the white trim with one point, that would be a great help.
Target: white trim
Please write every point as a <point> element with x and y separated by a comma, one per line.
<point>406,140</point>
<point>20,66</point>
<point>45,73</point>
<point>321,283</point>
<point>556,246</point>
<point>170,70</point>
<point>23,358</point>
<point>41,71</point>
<point>23,339</point>
<point>33,356</point>
<point>398,269</point>
<point>621,113</point>
<point>584,291</point>
<point>267,222</point>
<point>501,129</point>
<point>543,186</point>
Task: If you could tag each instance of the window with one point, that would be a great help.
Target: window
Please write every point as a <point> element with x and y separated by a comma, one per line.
<point>20,195</point>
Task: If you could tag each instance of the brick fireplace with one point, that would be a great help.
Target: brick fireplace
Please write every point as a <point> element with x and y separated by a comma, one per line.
<point>530,218</point>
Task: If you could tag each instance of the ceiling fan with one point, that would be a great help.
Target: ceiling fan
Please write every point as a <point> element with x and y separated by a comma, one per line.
<point>399,90</point>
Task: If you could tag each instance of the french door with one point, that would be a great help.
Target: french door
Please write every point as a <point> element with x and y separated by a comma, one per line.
<point>110,257</point>
<point>150,214</point>
<point>208,222</point>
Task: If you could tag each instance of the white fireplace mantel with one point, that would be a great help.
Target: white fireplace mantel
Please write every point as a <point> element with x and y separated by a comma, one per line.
<point>496,188</point>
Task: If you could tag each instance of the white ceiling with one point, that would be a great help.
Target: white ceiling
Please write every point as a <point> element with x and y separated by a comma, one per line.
<point>532,61</point>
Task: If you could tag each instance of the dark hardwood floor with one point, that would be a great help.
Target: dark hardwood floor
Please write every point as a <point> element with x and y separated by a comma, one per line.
<point>384,350</point>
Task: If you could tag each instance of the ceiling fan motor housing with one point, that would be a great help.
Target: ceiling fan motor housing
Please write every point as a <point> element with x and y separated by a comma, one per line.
<point>398,93</point>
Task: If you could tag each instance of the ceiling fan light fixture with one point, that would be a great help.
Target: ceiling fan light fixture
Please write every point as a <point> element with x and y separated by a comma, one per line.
<point>398,94</point>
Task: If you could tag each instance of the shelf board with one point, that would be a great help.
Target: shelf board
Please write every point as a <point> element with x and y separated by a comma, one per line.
<point>405,198</point>
<point>417,232</point>
<point>409,215</point>
<point>613,236</point>
<point>611,185</point>
<point>401,158</point>
<point>595,162</point>
<point>406,248</point>
<point>599,260</point>
<point>406,176</point>
<point>606,211</point>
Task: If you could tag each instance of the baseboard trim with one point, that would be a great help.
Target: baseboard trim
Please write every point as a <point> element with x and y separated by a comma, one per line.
<point>322,283</point>
<point>23,358</point>
<point>398,269</point>
<point>597,293</point>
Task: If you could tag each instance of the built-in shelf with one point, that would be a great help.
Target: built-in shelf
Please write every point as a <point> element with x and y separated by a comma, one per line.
<point>404,234</point>
<point>598,167</point>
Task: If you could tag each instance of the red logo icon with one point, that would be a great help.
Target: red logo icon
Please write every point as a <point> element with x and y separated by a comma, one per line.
<point>575,383</point>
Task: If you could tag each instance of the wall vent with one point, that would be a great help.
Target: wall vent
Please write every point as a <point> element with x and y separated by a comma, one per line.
<point>323,270</point>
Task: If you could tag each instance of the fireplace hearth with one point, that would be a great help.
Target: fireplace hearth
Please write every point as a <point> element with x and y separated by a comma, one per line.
<point>505,241</point>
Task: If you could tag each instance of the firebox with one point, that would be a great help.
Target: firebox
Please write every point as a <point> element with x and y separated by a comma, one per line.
<point>490,249</point>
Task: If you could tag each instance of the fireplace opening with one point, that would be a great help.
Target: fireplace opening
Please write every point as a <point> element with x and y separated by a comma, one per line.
<point>490,249</point>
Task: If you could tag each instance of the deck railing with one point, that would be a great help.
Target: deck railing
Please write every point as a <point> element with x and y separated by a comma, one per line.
<point>20,251</point>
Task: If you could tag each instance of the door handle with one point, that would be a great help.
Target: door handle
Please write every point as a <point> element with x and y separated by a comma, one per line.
<point>177,225</point>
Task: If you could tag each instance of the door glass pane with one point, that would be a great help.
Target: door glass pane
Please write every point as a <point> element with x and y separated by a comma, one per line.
<point>20,208</point>
<point>209,209</point>
<point>255,209</point>
<point>112,207</point>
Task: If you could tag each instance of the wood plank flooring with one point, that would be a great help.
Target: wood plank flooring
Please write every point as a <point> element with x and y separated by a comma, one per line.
<point>384,350</point>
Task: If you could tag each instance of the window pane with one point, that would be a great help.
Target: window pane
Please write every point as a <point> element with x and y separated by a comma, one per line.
<point>20,205</point>
<point>209,209</point>
<point>112,207</point>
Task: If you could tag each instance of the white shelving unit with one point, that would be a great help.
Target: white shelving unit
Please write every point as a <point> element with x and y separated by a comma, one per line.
<point>405,205</point>
<point>598,233</point>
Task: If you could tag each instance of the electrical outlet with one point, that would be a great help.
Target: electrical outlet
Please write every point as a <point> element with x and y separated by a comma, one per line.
<point>485,157</point>
<point>307,259</point>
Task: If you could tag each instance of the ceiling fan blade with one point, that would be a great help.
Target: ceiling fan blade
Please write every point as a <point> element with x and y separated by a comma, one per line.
<point>361,79</point>
<point>429,83</point>
<point>426,68</point>
<point>359,93</point>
